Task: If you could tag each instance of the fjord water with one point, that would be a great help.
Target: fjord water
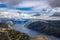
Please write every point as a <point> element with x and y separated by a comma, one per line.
<point>20,27</point>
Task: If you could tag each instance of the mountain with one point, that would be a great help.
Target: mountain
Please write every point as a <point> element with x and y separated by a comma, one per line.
<point>49,27</point>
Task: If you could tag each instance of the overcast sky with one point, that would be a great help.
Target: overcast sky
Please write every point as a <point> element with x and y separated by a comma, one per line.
<point>36,5</point>
<point>15,2</point>
<point>30,3</point>
<point>30,6</point>
<point>25,4</point>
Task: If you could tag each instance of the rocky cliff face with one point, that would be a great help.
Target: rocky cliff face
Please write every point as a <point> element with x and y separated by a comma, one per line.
<point>49,27</point>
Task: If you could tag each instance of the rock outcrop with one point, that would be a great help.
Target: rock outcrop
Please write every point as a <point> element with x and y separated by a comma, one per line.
<point>50,27</point>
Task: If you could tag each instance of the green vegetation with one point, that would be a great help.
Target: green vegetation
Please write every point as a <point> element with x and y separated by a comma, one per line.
<point>16,35</point>
<point>6,33</point>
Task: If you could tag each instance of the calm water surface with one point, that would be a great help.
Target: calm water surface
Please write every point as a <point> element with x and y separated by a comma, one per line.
<point>20,27</point>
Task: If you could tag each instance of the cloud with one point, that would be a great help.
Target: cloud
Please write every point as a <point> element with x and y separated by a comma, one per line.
<point>10,3</point>
<point>42,5</point>
<point>28,4</point>
<point>54,3</point>
<point>13,14</point>
<point>3,1</point>
<point>3,9</point>
<point>8,13</point>
<point>18,14</point>
<point>34,5</point>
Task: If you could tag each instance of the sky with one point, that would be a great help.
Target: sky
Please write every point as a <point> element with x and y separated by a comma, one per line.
<point>26,5</point>
<point>43,7</point>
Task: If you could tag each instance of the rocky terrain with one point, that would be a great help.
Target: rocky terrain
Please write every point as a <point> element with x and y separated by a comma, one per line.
<point>13,35</point>
<point>16,35</point>
<point>46,27</point>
